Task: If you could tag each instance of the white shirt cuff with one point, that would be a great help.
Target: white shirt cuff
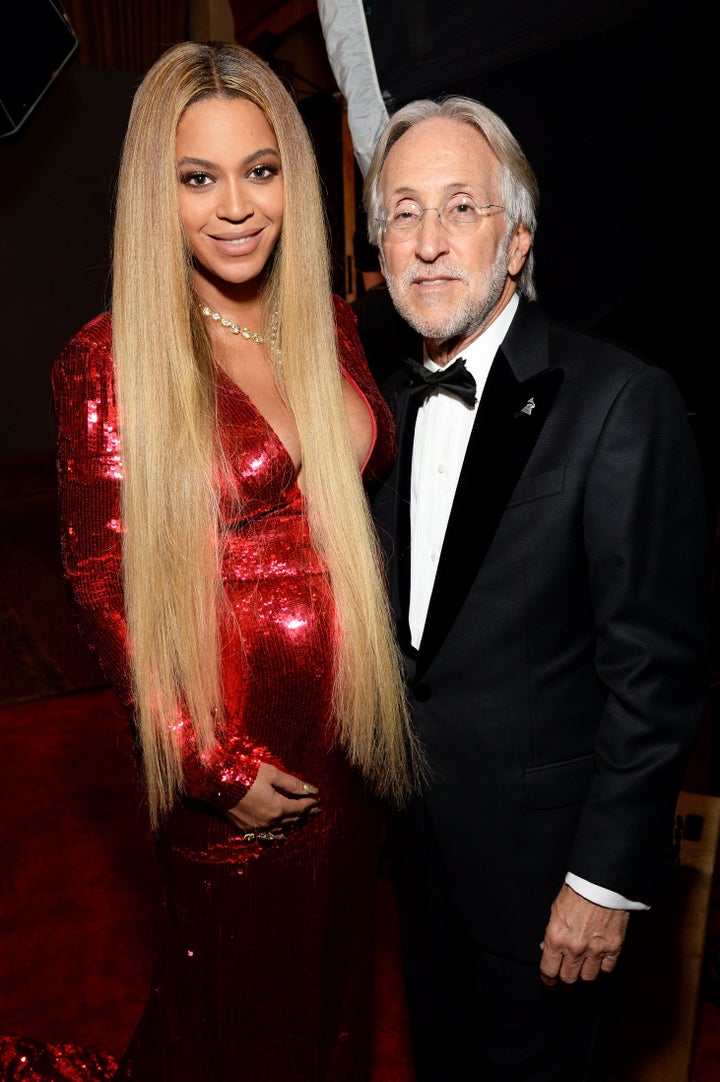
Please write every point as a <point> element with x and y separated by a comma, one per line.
<point>601,896</point>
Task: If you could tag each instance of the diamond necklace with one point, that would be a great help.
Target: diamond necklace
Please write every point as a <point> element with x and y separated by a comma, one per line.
<point>234,327</point>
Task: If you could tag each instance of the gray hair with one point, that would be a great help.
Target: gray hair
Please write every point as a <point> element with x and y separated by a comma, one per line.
<point>518,184</point>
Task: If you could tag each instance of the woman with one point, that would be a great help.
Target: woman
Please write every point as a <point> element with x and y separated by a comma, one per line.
<point>221,558</point>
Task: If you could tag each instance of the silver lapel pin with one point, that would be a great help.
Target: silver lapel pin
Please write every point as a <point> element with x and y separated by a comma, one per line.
<point>527,408</point>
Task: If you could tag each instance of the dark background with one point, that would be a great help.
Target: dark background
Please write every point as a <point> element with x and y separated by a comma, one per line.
<point>608,100</point>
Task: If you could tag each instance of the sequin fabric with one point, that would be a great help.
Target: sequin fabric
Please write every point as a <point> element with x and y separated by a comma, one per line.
<point>265,962</point>
<point>26,1060</point>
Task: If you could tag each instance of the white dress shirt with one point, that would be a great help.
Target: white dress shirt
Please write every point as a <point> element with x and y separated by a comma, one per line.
<point>442,431</point>
<point>443,427</point>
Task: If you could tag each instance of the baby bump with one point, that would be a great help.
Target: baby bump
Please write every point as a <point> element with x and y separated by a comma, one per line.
<point>278,657</point>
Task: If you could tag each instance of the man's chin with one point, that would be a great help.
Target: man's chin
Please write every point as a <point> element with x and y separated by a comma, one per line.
<point>430,328</point>
<point>424,322</point>
<point>426,318</point>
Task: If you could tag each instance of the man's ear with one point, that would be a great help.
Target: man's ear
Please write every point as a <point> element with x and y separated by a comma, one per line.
<point>519,248</point>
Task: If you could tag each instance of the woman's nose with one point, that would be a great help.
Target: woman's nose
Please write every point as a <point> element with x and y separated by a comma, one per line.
<point>234,203</point>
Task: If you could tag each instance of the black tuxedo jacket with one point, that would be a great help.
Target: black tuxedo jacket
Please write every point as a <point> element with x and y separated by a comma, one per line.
<point>561,678</point>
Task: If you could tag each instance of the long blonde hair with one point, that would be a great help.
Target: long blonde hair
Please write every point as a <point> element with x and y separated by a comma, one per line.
<point>166,395</point>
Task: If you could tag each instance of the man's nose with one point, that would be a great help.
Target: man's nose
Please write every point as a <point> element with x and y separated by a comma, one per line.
<point>432,237</point>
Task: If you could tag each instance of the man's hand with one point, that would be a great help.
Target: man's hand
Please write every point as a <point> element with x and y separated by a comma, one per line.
<point>582,939</point>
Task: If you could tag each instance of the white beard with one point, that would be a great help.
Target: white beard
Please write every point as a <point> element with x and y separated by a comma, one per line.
<point>471,312</point>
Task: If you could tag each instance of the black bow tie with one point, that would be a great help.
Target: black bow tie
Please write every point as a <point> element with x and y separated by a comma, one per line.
<point>456,379</point>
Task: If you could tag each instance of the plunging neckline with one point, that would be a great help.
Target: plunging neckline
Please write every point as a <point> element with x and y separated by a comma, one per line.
<point>258,412</point>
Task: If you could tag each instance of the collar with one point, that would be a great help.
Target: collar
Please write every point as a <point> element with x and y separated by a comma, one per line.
<point>480,354</point>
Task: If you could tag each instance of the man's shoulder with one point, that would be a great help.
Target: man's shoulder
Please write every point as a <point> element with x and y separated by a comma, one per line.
<point>532,322</point>
<point>591,363</point>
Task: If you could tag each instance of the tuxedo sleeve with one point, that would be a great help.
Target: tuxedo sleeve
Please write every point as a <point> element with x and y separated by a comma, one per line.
<point>646,540</point>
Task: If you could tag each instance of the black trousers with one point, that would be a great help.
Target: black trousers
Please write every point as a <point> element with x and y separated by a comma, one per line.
<point>480,1017</point>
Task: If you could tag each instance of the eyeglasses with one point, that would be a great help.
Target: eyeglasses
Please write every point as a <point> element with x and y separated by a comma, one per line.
<point>460,214</point>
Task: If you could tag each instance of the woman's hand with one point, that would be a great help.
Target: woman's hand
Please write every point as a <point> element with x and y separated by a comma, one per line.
<point>274,803</point>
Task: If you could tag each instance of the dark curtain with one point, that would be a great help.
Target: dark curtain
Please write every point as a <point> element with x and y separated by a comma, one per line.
<point>126,34</point>
<point>254,18</point>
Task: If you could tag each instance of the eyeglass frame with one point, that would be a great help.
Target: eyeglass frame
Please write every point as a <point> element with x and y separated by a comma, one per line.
<point>384,221</point>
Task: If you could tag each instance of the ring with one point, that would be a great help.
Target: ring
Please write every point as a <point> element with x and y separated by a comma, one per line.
<point>263,836</point>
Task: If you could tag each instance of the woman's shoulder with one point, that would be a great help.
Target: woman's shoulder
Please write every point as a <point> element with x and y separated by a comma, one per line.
<point>95,334</point>
<point>88,353</point>
<point>342,307</point>
<point>345,318</point>
<point>97,331</point>
<point>351,352</point>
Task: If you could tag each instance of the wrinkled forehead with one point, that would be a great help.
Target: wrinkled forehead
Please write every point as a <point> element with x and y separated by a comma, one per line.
<point>438,155</point>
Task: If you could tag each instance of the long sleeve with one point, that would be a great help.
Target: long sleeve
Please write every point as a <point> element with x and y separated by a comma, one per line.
<point>647,556</point>
<point>90,472</point>
<point>89,475</point>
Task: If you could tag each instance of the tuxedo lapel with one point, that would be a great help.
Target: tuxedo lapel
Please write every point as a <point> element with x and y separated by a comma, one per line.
<point>406,418</point>
<point>509,418</point>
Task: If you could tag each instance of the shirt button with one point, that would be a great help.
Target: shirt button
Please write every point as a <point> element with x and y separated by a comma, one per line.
<point>441,467</point>
<point>434,557</point>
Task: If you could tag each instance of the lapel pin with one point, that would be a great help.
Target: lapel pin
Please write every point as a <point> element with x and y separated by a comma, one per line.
<point>527,408</point>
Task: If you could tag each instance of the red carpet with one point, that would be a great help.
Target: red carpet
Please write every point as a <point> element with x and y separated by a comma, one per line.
<point>79,890</point>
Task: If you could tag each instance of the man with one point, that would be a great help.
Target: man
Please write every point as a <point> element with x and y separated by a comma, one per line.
<point>547,549</point>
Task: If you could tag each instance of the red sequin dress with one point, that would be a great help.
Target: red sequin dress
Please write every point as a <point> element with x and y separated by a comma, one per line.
<point>265,962</point>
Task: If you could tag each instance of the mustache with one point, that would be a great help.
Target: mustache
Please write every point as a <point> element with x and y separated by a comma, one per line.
<point>440,270</point>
